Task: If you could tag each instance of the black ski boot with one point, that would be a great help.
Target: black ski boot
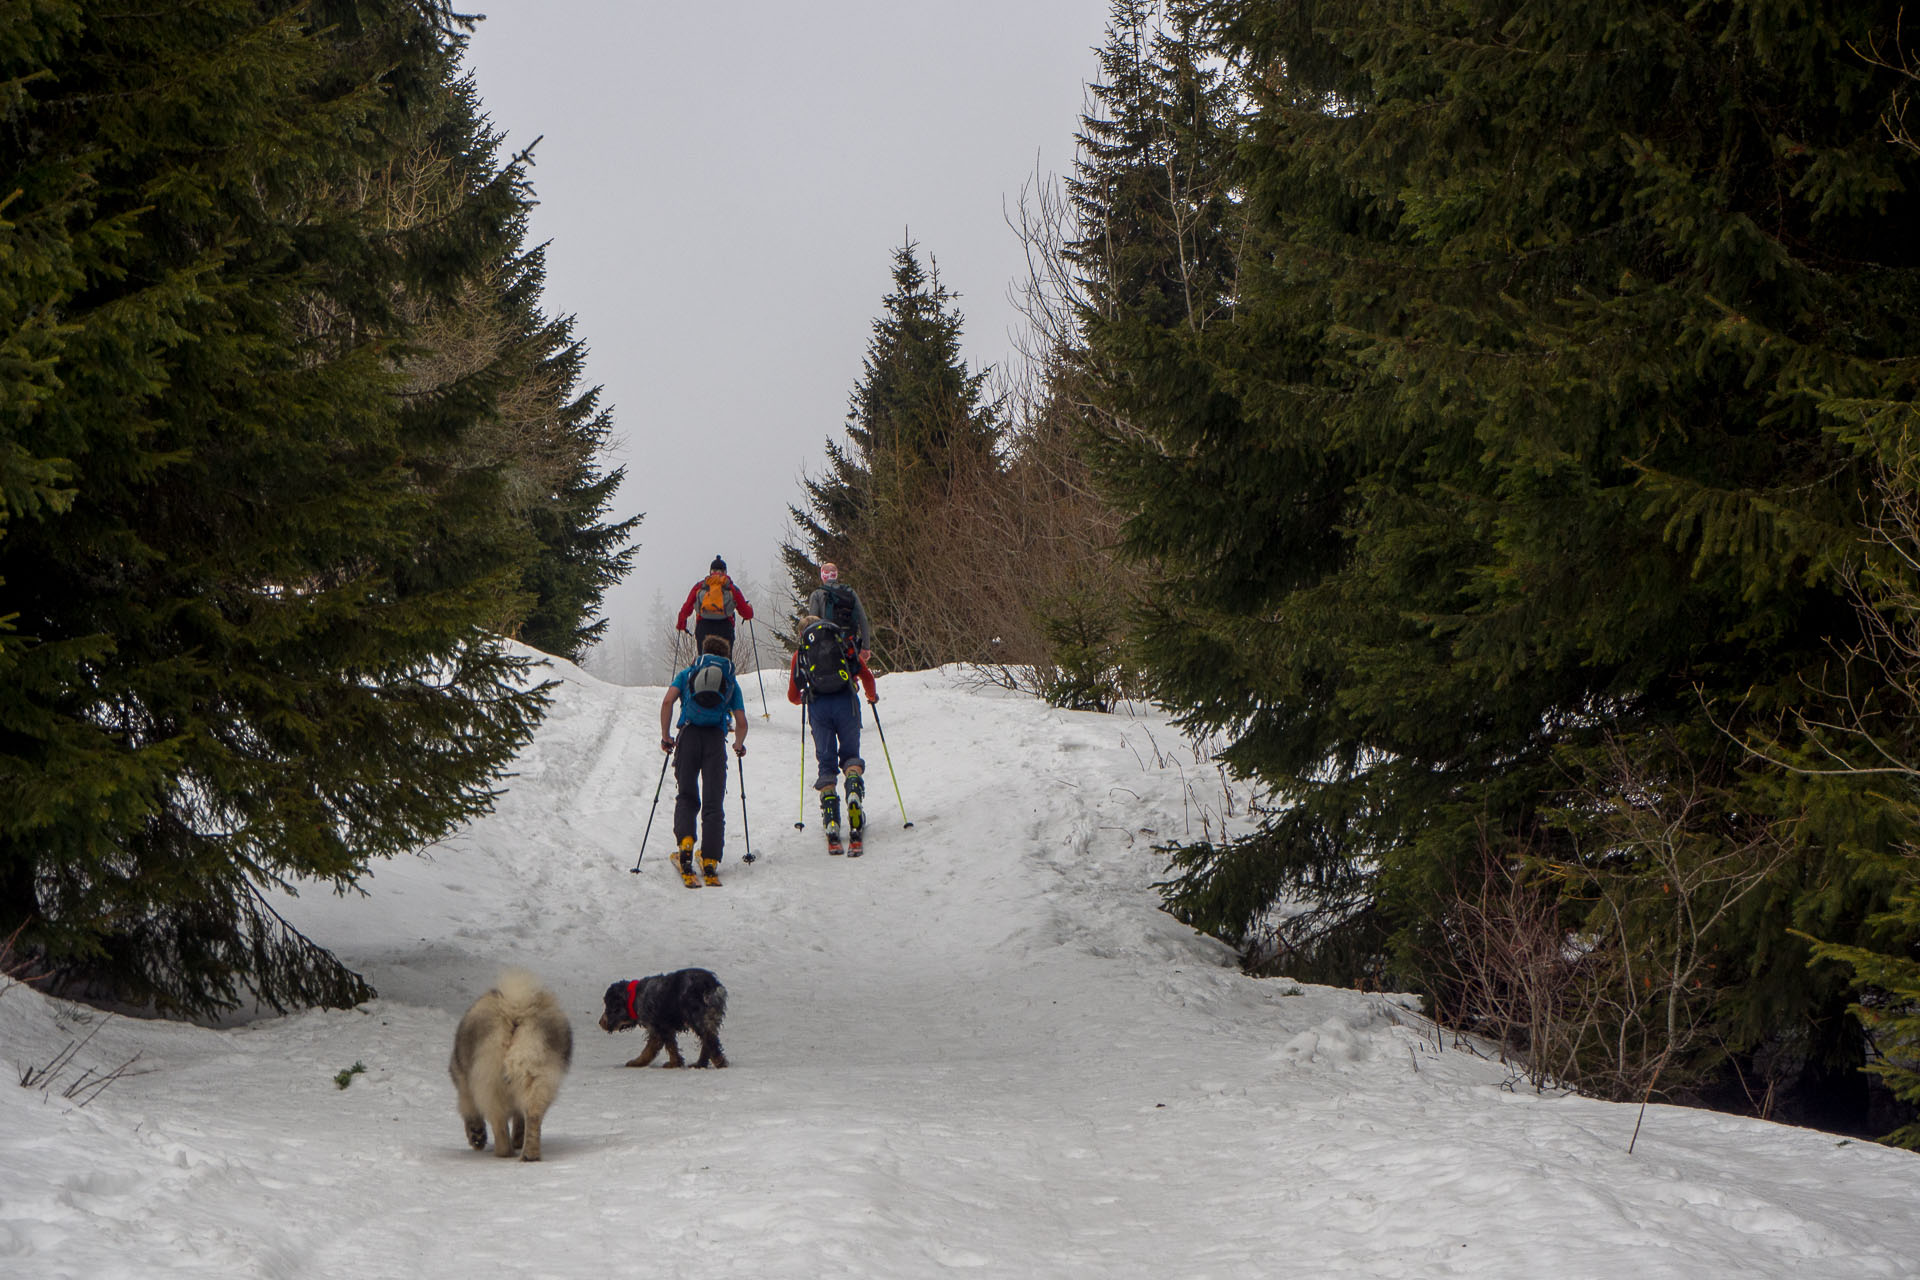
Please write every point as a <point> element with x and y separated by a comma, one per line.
<point>856,810</point>
<point>830,819</point>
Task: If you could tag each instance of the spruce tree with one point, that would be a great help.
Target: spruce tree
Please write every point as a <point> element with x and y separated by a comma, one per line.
<point>1144,238</point>
<point>1119,174</point>
<point>549,438</point>
<point>1151,187</point>
<point>245,560</point>
<point>1510,468</point>
<point>1876,733</point>
<point>919,435</point>
<point>540,435</point>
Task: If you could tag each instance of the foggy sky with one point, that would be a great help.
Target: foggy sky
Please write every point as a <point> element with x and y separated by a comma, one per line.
<point>723,186</point>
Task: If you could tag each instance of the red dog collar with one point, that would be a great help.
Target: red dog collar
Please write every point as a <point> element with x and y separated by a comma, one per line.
<point>633,992</point>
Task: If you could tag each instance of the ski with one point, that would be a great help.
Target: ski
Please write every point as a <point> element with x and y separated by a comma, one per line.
<point>856,815</point>
<point>683,862</point>
<point>830,819</point>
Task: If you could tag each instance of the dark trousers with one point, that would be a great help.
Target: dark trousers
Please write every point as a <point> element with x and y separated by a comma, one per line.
<point>835,721</point>
<point>704,627</point>
<point>700,769</point>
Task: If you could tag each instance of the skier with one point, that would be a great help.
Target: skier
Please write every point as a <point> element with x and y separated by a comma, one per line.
<point>708,695</point>
<point>716,597</point>
<point>836,602</point>
<point>822,676</point>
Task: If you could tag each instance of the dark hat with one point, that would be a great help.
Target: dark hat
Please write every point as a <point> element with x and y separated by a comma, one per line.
<point>718,565</point>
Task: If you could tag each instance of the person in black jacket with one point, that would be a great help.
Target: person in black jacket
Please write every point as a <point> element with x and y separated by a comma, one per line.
<point>838,603</point>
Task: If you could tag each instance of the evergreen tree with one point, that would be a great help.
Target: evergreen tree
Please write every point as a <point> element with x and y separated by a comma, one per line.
<point>1117,180</point>
<point>1151,188</point>
<point>1509,471</point>
<point>1146,239</point>
<point>543,437</point>
<point>549,437</point>
<point>246,556</point>
<point>920,438</point>
<point>1877,733</point>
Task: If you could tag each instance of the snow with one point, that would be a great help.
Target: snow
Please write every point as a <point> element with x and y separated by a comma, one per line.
<point>978,1050</point>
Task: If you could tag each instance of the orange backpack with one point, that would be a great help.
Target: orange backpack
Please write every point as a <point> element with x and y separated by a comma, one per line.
<point>717,600</point>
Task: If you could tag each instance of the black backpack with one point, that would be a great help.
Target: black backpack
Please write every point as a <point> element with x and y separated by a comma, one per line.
<point>840,610</point>
<point>824,666</point>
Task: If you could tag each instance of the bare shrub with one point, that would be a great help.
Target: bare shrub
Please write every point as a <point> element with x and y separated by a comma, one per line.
<point>1677,859</point>
<point>81,1086</point>
<point>1597,971</point>
<point>1505,967</point>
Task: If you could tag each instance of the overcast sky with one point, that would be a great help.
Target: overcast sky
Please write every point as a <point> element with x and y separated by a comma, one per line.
<point>723,185</point>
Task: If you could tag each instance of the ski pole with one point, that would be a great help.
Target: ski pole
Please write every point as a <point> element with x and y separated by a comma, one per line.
<point>664,757</point>
<point>754,632</point>
<point>889,755</point>
<point>745,830</point>
<point>802,824</point>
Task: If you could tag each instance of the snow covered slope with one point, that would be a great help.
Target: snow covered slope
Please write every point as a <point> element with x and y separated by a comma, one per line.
<point>979,1049</point>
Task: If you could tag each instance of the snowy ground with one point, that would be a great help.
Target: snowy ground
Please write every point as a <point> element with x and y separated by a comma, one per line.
<point>980,1049</point>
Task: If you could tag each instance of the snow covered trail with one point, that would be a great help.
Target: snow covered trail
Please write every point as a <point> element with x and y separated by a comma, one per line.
<point>979,1049</point>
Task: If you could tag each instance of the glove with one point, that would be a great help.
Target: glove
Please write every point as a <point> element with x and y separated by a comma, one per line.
<point>740,748</point>
<point>666,744</point>
<point>866,655</point>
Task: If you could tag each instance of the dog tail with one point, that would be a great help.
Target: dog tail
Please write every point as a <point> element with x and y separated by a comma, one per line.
<point>519,992</point>
<point>539,1039</point>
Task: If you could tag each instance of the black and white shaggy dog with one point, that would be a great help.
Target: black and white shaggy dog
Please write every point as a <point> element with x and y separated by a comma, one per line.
<point>509,1054</point>
<point>667,1004</point>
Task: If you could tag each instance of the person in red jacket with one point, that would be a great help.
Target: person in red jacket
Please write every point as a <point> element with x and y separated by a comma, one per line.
<point>715,598</point>
<point>825,669</point>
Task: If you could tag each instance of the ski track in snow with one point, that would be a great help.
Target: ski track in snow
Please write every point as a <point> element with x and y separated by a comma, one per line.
<point>979,1050</point>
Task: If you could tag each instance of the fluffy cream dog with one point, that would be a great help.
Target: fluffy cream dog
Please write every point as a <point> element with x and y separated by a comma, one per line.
<point>511,1050</point>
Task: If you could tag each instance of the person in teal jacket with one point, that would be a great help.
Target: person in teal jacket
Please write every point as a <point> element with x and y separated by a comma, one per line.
<point>709,698</point>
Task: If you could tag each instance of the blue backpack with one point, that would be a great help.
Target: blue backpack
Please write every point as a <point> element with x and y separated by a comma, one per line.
<point>709,694</point>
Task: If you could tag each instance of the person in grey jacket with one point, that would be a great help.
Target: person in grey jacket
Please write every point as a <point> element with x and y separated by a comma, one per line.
<point>840,604</point>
